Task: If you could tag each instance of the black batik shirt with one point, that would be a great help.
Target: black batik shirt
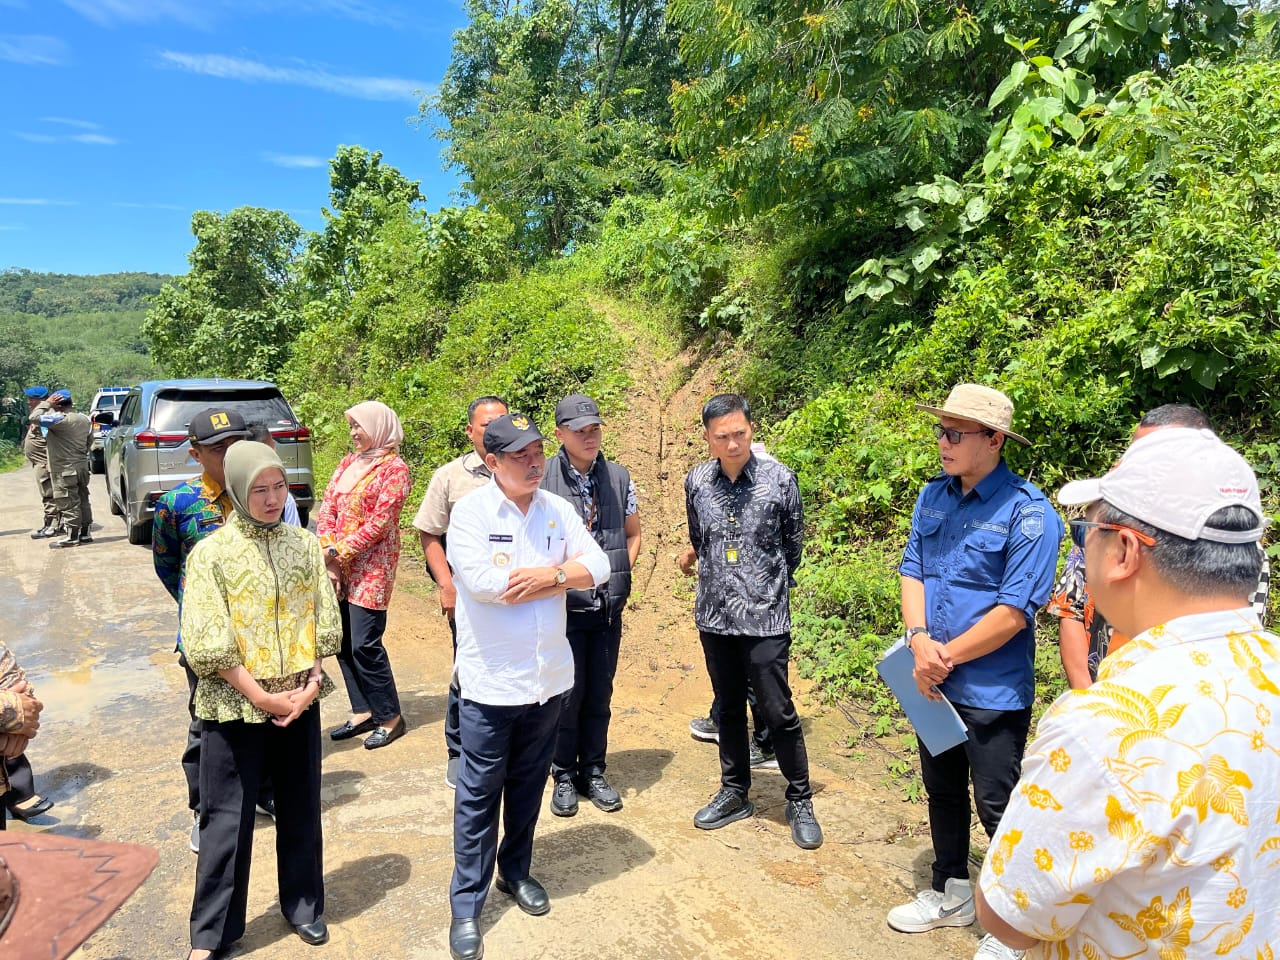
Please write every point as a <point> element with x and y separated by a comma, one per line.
<point>758,521</point>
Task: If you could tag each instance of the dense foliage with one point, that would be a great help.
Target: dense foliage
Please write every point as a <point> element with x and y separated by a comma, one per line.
<point>866,201</point>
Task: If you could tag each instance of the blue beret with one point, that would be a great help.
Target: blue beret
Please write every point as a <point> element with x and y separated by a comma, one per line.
<point>36,393</point>
<point>60,395</point>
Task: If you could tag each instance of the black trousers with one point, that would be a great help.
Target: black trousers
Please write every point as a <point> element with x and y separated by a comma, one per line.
<point>234,757</point>
<point>506,753</point>
<point>733,661</point>
<point>992,758</point>
<point>452,735</point>
<point>22,782</point>
<point>191,753</point>
<point>759,729</point>
<point>583,737</point>
<point>364,662</point>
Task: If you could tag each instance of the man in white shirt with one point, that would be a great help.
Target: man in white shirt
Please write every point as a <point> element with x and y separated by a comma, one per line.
<point>514,550</point>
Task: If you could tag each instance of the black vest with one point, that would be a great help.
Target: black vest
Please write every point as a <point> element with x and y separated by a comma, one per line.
<point>610,481</point>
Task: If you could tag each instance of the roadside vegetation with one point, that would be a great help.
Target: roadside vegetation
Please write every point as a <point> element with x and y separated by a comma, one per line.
<point>858,204</point>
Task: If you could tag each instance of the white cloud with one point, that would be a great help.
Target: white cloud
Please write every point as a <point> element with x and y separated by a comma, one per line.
<point>68,122</point>
<point>11,226</point>
<point>35,137</point>
<point>252,71</point>
<point>32,49</point>
<point>108,13</point>
<point>97,139</point>
<point>35,202</point>
<point>94,139</point>
<point>294,161</point>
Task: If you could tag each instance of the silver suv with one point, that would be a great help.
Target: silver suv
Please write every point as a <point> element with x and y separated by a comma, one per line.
<point>147,452</point>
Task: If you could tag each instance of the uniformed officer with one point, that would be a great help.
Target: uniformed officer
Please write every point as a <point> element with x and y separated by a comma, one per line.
<point>514,550</point>
<point>605,498</point>
<point>979,563</point>
<point>449,484</point>
<point>37,454</point>
<point>68,437</point>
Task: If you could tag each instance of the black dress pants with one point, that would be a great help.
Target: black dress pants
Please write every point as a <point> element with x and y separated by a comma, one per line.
<point>759,729</point>
<point>366,668</point>
<point>583,737</point>
<point>234,757</point>
<point>506,752</point>
<point>22,782</point>
<point>452,735</point>
<point>992,758</point>
<point>733,661</point>
<point>191,753</point>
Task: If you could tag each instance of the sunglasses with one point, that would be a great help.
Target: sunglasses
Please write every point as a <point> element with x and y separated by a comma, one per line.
<point>1080,527</point>
<point>955,436</point>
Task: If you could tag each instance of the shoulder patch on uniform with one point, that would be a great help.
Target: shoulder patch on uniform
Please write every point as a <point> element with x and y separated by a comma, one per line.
<point>1032,521</point>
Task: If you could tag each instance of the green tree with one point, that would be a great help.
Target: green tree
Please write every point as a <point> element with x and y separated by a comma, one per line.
<point>236,312</point>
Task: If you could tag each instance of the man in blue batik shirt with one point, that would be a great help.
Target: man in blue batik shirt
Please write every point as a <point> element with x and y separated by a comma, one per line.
<point>979,563</point>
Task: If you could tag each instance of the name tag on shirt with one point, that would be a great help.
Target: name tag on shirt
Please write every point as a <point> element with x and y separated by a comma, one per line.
<point>500,538</point>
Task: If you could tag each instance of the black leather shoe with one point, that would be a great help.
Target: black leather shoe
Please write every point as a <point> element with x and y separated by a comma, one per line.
<point>725,807</point>
<point>465,940</point>
<point>804,825</point>
<point>37,808</point>
<point>71,540</point>
<point>45,532</point>
<point>564,798</point>
<point>314,933</point>
<point>85,535</point>
<point>384,735</point>
<point>349,729</point>
<point>528,893</point>
<point>602,795</point>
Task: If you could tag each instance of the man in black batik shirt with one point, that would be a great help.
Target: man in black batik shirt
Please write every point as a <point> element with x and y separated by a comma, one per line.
<point>746,530</point>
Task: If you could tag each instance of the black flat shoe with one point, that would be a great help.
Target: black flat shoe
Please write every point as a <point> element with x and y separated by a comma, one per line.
<point>26,813</point>
<point>314,933</point>
<point>349,729</point>
<point>528,894</point>
<point>384,735</point>
<point>465,940</point>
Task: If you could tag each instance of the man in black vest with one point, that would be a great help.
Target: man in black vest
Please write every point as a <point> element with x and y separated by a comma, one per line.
<point>605,498</point>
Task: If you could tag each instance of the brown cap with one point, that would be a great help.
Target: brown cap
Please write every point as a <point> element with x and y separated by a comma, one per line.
<point>972,401</point>
<point>66,888</point>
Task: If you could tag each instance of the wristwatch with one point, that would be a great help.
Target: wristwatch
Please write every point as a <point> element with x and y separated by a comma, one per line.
<point>911,632</point>
<point>561,576</point>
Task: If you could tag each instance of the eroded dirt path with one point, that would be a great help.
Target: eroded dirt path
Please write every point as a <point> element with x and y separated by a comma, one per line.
<point>94,628</point>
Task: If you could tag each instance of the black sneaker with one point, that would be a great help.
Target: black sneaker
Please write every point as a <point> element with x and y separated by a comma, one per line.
<point>265,808</point>
<point>602,795</point>
<point>705,729</point>
<point>564,798</point>
<point>725,807</point>
<point>451,773</point>
<point>804,825</point>
<point>761,760</point>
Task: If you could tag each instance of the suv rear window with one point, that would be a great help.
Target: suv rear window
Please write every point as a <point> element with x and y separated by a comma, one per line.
<point>174,408</point>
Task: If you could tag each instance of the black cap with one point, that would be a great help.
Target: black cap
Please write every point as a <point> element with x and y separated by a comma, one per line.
<point>215,425</point>
<point>511,431</point>
<point>577,411</point>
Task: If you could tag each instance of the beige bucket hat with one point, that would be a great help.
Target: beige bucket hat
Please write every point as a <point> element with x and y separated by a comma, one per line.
<point>972,401</point>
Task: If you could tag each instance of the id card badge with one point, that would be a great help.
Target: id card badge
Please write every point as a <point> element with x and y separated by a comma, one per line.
<point>732,543</point>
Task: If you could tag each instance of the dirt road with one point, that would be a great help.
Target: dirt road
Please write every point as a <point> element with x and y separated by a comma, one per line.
<point>94,629</point>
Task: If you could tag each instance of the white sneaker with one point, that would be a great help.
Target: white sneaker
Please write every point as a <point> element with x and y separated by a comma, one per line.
<point>932,909</point>
<point>989,948</point>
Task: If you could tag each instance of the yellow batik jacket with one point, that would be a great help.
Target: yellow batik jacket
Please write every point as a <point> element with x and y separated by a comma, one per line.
<point>260,598</point>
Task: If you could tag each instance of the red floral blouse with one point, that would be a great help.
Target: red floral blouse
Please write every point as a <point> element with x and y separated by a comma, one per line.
<point>364,526</point>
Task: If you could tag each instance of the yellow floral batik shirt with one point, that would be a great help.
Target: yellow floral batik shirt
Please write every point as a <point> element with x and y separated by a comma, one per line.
<point>1146,823</point>
<point>261,598</point>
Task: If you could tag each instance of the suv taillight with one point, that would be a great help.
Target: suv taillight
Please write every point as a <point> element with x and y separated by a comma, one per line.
<point>300,435</point>
<point>152,439</point>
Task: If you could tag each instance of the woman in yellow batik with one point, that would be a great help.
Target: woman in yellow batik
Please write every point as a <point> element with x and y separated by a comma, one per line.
<point>258,615</point>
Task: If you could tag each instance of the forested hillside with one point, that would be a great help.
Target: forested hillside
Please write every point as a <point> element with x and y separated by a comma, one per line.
<point>857,204</point>
<point>78,332</point>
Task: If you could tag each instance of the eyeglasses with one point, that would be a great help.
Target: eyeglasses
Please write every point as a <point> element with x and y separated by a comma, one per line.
<point>954,436</point>
<point>1080,527</point>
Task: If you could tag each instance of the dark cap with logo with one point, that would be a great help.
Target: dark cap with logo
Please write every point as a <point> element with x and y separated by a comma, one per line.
<point>215,425</point>
<point>577,411</point>
<point>511,431</point>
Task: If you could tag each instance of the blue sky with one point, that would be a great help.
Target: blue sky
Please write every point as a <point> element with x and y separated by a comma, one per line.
<point>119,118</point>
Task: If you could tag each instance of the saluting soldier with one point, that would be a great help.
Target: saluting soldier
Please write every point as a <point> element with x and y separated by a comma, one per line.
<point>68,437</point>
<point>37,454</point>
